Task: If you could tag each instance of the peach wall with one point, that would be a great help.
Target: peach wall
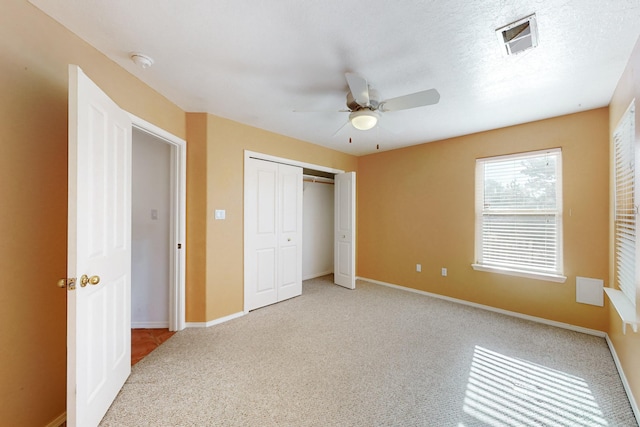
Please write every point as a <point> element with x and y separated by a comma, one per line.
<point>227,141</point>
<point>416,205</point>
<point>34,55</point>
<point>627,346</point>
<point>196,246</point>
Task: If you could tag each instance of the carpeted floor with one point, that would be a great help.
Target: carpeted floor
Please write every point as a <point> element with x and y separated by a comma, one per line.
<point>375,356</point>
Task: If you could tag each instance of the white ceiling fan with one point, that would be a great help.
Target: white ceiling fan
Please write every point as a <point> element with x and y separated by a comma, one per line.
<point>365,107</point>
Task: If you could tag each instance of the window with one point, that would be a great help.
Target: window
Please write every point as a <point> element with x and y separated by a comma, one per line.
<point>625,205</point>
<point>519,214</point>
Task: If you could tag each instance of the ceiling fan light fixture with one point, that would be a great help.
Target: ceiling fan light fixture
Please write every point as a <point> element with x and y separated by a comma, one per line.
<point>364,119</point>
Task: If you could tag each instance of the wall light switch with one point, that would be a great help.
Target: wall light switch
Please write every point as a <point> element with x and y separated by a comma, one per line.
<point>154,214</point>
<point>220,214</point>
<point>418,268</point>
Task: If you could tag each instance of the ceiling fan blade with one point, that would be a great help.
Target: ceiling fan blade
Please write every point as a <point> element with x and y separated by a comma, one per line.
<point>340,128</point>
<point>418,99</point>
<point>359,88</point>
<point>321,111</point>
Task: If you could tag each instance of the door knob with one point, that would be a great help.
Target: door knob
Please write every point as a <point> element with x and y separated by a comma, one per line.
<point>93,280</point>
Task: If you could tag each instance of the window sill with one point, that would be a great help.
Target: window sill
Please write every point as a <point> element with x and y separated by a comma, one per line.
<point>625,309</point>
<point>519,273</point>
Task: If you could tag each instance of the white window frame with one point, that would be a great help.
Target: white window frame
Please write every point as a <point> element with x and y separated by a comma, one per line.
<point>624,167</point>
<point>554,275</point>
<point>625,178</point>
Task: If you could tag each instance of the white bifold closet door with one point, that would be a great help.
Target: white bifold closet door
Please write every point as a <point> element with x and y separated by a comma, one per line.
<point>273,261</point>
<point>344,265</point>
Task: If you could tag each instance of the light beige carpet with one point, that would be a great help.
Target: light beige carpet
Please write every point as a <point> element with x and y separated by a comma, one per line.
<point>375,356</point>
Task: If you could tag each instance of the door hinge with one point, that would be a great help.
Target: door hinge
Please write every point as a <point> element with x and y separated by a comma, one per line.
<point>69,283</point>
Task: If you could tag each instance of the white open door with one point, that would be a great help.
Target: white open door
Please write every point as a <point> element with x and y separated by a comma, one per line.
<point>99,247</point>
<point>344,262</point>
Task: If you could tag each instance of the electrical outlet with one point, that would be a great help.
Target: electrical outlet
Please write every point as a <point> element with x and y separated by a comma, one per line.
<point>444,271</point>
<point>418,268</point>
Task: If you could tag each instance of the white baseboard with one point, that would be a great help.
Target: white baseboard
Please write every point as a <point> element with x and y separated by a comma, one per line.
<point>625,383</point>
<point>494,309</point>
<point>314,275</point>
<point>149,325</point>
<point>215,321</point>
<point>60,419</point>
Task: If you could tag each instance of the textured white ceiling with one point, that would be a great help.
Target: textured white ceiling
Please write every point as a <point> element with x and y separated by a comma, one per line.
<point>256,61</point>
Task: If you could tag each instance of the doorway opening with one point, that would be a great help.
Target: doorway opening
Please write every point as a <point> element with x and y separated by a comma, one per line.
<point>317,223</point>
<point>150,235</point>
<point>157,237</point>
<point>150,231</point>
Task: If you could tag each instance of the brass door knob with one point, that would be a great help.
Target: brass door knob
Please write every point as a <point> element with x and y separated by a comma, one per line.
<point>93,280</point>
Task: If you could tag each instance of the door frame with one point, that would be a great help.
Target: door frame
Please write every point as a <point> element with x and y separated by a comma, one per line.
<point>177,219</point>
<point>261,156</point>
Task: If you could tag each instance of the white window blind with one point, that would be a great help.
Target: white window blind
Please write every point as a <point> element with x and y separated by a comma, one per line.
<point>625,204</point>
<point>519,212</point>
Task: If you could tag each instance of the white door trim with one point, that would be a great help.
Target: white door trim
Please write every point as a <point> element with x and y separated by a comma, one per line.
<point>177,234</point>
<point>262,156</point>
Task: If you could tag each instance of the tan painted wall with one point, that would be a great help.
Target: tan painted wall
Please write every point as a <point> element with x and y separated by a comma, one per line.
<point>34,54</point>
<point>416,205</point>
<point>196,268</point>
<point>627,346</point>
<point>227,141</point>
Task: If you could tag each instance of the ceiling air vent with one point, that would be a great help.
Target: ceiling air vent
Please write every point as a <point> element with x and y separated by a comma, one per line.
<point>518,36</point>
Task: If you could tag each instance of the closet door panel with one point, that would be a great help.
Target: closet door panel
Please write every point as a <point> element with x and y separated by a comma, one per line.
<point>290,238</point>
<point>345,230</point>
<point>261,198</point>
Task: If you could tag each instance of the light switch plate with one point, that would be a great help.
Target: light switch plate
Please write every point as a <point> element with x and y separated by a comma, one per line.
<point>220,214</point>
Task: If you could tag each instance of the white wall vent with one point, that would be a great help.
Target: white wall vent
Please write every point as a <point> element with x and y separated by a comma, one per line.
<point>518,36</point>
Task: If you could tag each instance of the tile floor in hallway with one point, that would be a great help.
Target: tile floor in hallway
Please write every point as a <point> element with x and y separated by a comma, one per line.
<point>144,341</point>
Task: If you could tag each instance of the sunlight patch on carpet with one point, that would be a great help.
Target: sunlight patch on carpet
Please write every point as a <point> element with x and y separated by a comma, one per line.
<point>507,391</point>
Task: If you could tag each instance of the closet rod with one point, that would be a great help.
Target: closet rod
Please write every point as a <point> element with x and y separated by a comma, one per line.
<point>317,179</point>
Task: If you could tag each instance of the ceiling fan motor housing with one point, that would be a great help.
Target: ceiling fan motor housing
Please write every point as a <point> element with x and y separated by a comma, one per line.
<point>374,101</point>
